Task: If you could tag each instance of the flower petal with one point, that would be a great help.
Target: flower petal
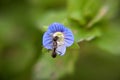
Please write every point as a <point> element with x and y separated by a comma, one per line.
<point>56,27</point>
<point>69,38</point>
<point>61,50</point>
<point>47,40</point>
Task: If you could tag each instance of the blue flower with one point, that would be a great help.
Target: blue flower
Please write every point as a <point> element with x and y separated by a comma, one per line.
<point>65,38</point>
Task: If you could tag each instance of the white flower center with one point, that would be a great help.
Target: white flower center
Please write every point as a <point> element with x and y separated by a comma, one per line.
<point>60,36</point>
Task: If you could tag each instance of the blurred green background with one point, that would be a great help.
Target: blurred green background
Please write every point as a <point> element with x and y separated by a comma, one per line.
<point>95,54</point>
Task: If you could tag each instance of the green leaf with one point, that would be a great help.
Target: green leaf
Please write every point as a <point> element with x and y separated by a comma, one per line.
<point>54,68</point>
<point>51,17</point>
<point>81,33</point>
<point>110,39</point>
<point>80,10</point>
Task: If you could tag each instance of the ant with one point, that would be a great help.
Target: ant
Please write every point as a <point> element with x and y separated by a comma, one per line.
<point>54,54</point>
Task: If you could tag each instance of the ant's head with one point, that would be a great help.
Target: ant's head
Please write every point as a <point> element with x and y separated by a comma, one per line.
<point>55,38</point>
